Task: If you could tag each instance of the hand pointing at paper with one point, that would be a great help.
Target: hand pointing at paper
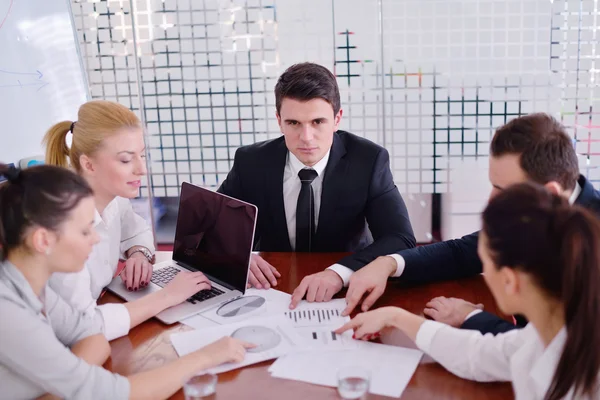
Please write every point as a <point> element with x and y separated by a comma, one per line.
<point>371,281</point>
<point>318,287</point>
<point>368,324</point>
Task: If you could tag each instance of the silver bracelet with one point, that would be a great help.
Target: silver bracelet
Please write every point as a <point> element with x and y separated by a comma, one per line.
<point>144,251</point>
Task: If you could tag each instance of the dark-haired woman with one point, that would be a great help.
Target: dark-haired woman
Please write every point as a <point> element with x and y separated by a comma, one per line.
<point>46,346</point>
<point>541,259</point>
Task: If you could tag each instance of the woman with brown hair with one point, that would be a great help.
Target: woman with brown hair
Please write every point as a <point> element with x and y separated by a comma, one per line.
<point>541,259</point>
<point>108,151</point>
<point>46,227</point>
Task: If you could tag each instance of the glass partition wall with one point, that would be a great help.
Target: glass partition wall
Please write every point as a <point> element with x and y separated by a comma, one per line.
<point>428,80</point>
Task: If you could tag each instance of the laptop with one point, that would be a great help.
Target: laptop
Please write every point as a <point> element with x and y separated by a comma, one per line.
<point>214,235</point>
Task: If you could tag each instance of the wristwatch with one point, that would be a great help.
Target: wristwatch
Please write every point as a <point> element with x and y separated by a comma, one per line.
<point>147,253</point>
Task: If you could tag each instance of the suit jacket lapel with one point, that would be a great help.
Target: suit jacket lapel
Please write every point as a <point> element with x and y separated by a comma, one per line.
<point>333,182</point>
<point>274,193</point>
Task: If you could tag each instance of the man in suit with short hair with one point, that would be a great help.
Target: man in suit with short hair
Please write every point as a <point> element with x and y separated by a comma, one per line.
<point>534,148</point>
<point>318,189</point>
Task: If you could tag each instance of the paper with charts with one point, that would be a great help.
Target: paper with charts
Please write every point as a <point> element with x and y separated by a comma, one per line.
<point>273,337</point>
<point>313,321</point>
<point>316,323</point>
<point>255,303</point>
<point>391,366</point>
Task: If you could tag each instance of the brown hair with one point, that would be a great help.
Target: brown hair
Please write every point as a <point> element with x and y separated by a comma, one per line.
<point>545,148</point>
<point>532,230</point>
<point>43,195</point>
<point>307,81</point>
<point>95,120</point>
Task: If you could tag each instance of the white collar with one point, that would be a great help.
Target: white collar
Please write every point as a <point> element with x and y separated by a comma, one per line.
<point>542,371</point>
<point>108,214</point>
<point>575,194</point>
<point>296,165</point>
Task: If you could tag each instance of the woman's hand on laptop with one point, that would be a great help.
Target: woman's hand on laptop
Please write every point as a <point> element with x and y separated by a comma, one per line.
<point>262,274</point>
<point>137,272</point>
<point>184,285</point>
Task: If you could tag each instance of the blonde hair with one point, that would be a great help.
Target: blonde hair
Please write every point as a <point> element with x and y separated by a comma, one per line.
<point>96,120</point>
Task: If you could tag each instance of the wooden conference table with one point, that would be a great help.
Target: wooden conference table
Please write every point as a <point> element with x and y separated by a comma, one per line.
<point>148,346</point>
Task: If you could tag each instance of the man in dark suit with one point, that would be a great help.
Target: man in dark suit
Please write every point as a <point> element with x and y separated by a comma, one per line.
<point>317,188</point>
<point>531,148</point>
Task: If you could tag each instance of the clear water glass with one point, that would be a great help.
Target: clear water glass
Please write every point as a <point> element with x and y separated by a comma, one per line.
<point>353,382</point>
<point>200,387</point>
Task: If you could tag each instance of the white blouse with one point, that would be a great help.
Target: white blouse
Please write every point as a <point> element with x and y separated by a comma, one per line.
<point>517,356</point>
<point>35,335</point>
<point>119,228</point>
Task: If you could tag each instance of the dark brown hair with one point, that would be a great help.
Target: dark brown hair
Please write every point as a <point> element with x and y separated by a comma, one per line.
<point>38,196</point>
<point>307,81</point>
<point>545,148</point>
<point>532,230</point>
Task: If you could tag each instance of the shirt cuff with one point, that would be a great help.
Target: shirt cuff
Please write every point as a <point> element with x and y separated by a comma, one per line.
<point>344,272</point>
<point>116,320</point>
<point>426,333</point>
<point>400,264</point>
<point>472,314</point>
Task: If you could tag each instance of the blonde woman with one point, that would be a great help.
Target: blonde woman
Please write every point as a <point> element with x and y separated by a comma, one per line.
<point>108,151</point>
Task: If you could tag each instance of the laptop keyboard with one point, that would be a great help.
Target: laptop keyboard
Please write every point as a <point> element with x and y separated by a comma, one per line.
<point>163,276</point>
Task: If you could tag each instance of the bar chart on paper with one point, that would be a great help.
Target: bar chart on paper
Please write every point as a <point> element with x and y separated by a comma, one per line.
<point>317,322</point>
<point>314,317</point>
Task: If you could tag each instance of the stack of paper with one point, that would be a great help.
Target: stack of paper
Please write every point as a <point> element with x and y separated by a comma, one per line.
<point>273,337</point>
<point>302,339</point>
<point>391,367</point>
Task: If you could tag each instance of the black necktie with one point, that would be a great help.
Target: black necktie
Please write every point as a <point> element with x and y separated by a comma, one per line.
<point>305,211</point>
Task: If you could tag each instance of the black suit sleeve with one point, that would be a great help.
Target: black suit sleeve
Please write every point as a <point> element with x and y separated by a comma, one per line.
<point>386,215</point>
<point>485,322</point>
<point>232,185</point>
<point>447,260</point>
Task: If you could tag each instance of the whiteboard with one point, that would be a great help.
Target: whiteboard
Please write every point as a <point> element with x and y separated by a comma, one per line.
<point>42,78</point>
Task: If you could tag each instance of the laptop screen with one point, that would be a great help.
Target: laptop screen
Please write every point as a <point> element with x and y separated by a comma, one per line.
<point>214,235</point>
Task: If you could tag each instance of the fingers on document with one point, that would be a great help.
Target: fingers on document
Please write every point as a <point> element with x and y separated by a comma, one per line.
<point>247,345</point>
<point>311,294</point>
<point>368,336</point>
<point>299,293</point>
<point>352,299</point>
<point>321,294</point>
<point>347,326</point>
<point>372,298</point>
